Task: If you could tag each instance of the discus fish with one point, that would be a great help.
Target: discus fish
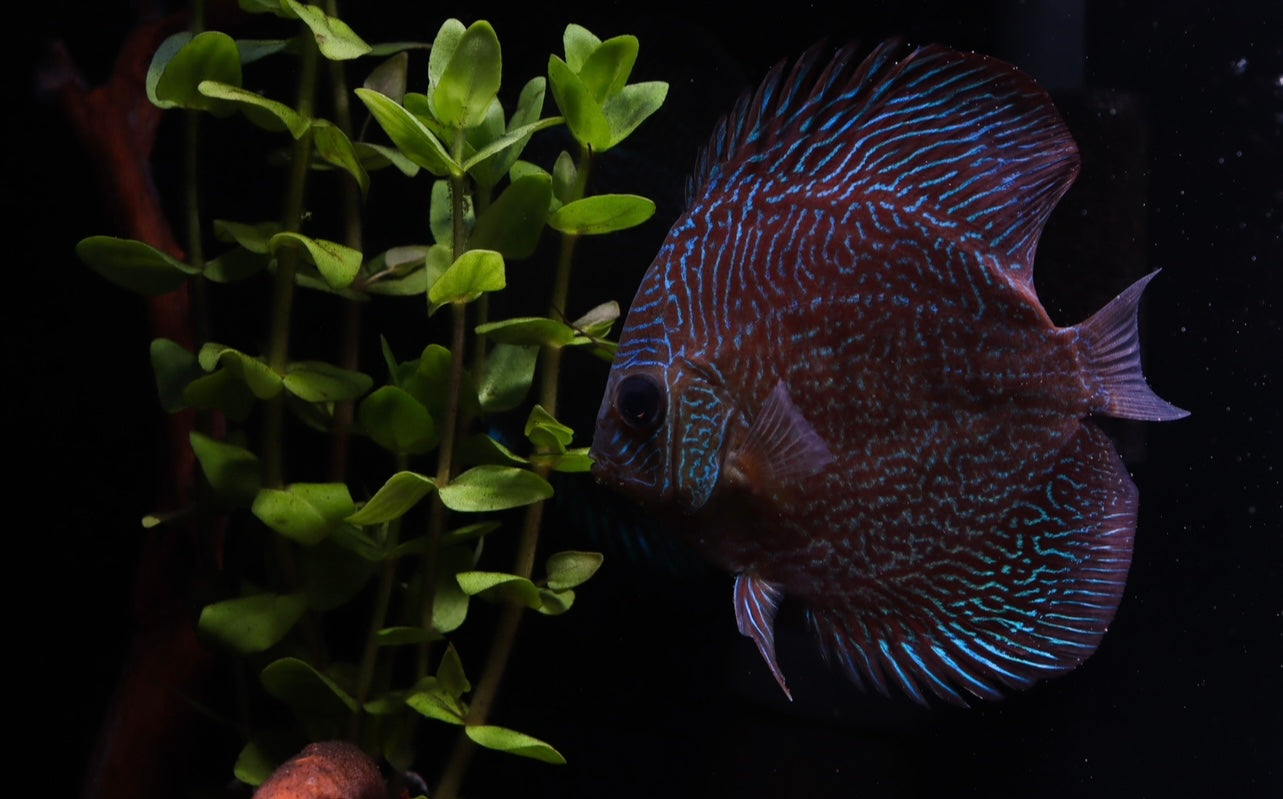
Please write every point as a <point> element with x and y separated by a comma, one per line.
<point>837,382</point>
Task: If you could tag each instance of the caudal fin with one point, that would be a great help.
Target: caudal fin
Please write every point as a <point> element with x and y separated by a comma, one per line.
<point>1111,347</point>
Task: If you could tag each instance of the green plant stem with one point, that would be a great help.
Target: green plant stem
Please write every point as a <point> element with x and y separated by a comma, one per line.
<point>273,443</point>
<point>487,689</point>
<point>450,425</point>
<point>349,356</point>
<point>378,617</point>
<point>286,267</point>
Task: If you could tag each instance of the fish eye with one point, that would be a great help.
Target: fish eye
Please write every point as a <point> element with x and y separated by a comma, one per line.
<point>639,402</point>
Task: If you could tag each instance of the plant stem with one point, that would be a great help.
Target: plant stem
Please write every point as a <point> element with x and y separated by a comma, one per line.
<point>450,425</point>
<point>344,412</point>
<point>286,267</point>
<point>487,689</point>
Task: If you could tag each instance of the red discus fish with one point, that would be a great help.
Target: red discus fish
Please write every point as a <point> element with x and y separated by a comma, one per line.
<point>837,382</point>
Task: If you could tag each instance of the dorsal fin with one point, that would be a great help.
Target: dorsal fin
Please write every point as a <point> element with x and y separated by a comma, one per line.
<point>969,143</point>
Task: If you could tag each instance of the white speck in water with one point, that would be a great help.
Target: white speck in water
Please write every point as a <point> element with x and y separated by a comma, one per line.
<point>1279,81</point>
<point>1239,66</point>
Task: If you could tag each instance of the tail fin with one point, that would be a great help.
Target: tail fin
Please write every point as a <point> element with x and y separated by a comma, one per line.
<point>1111,347</point>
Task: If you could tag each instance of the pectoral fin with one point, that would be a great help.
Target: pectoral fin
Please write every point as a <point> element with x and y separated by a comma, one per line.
<point>781,446</point>
<point>756,602</point>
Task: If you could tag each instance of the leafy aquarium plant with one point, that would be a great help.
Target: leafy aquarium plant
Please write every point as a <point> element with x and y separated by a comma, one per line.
<point>363,507</point>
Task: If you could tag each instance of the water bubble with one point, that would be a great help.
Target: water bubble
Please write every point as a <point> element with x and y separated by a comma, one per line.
<point>1239,66</point>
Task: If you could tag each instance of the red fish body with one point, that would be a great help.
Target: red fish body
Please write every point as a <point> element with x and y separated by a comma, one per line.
<point>837,381</point>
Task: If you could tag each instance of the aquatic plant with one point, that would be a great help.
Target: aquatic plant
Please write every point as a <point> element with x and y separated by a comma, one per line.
<point>398,547</point>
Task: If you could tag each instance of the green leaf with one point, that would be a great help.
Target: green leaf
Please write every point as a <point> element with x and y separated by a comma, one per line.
<point>494,586</point>
<point>571,461</point>
<point>583,114</point>
<point>528,330</point>
<point>252,50</point>
<point>232,471</point>
<point>159,61</point>
<point>133,265</point>
<point>334,38</point>
<point>304,512</point>
<point>443,47</point>
<point>336,263</point>
<point>598,321</point>
<point>236,264</point>
<point>331,576</point>
<point>513,224</point>
<point>506,376</point>
<point>628,109</point>
<point>207,56</point>
<point>450,603</point>
<point>565,179</point>
<point>400,636</point>
<point>354,540</point>
<point>470,80</point>
<point>306,690</point>
<point>336,148</point>
<point>262,381</point>
<point>472,273</point>
<point>252,623</point>
<point>221,391</point>
<point>514,743</point>
<point>555,603</point>
<point>602,213</point>
<point>579,44</point>
<point>377,156</point>
<point>470,531</point>
<point>450,674</point>
<point>481,448</point>
<point>254,238</point>
<point>174,368</point>
<point>265,113</point>
<point>545,432</point>
<point>389,78</point>
<point>569,569</point>
<point>401,492</point>
<point>510,145</point>
<point>607,68</point>
<point>487,167</point>
<point>397,421</point>
<point>409,134</point>
<point>261,755</point>
<point>491,488</point>
<point>317,381</point>
<point>431,700</point>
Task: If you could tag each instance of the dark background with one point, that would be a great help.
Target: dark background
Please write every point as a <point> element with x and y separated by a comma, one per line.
<point>645,686</point>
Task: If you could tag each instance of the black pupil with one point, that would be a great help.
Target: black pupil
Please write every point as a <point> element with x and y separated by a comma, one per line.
<point>639,402</point>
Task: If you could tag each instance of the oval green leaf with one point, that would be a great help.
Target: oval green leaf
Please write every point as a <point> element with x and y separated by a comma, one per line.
<point>628,109</point>
<point>306,690</point>
<point>569,569</point>
<point>528,330</point>
<point>513,224</point>
<point>252,623</point>
<point>397,421</point>
<point>334,38</point>
<point>133,265</point>
<point>265,113</point>
<point>232,471</point>
<point>394,499</point>
<point>470,79</point>
<point>317,381</point>
<point>209,56</point>
<point>471,274</point>
<point>602,213</point>
<point>335,147</point>
<point>583,114</point>
<point>506,377</point>
<point>491,488</point>
<point>409,134</point>
<point>514,743</point>
<point>499,585</point>
<point>304,512</point>
<point>262,381</point>
<point>337,263</point>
